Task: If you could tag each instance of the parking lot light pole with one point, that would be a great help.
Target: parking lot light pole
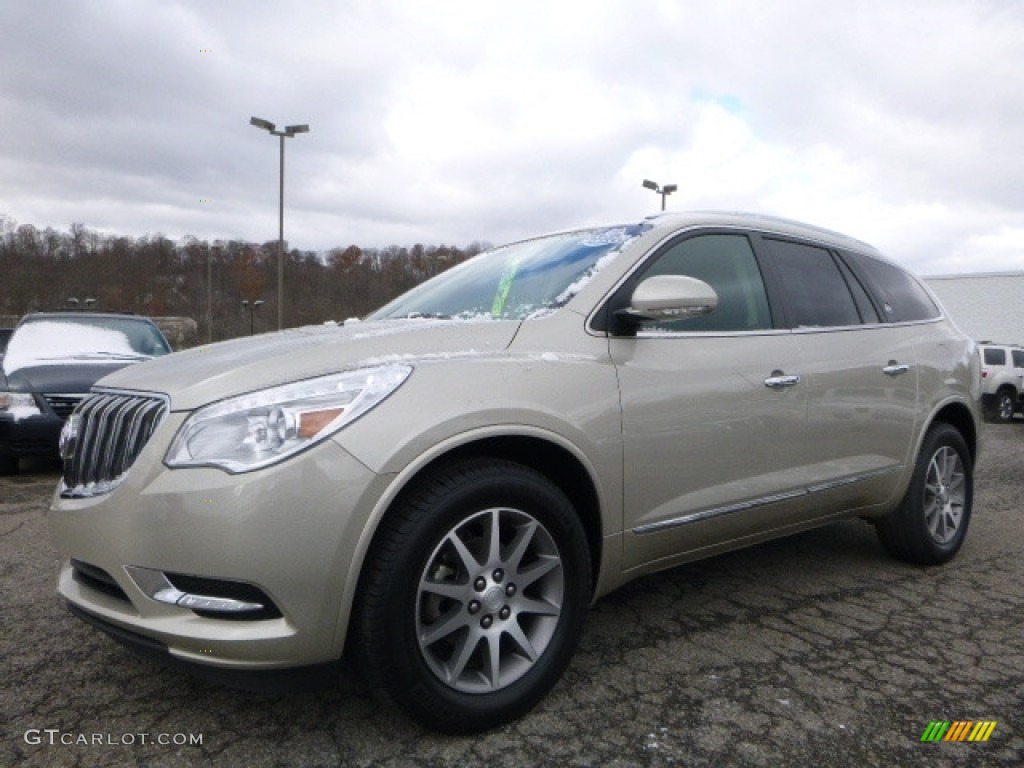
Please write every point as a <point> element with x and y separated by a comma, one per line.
<point>287,133</point>
<point>665,191</point>
<point>252,307</point>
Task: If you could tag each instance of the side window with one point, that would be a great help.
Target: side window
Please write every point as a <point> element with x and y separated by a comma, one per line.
<point>868,313</point>
<point>1018,358</point>
<point>995,356</point>
<point>902,297</point>
<point>817,291</point>
<point>727,264</point>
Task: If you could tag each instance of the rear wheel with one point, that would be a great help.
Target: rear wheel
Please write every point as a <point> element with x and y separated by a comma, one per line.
<point>1002,407</point>
<point>931,522</point>
<point>8,465</point>
<point>473,596</point>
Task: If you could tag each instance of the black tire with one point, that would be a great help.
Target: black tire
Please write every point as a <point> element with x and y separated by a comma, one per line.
<point>461,629</point>
<point>929,526</point>
<point>1002,407</point>
<point>8,465</point>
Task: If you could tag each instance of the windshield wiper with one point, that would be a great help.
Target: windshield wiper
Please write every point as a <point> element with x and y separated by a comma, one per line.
<point>423,316</point>
<point>111,356</point>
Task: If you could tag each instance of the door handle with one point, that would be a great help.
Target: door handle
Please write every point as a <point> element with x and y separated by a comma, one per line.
<point>779,380</point>
<point>895,369</point>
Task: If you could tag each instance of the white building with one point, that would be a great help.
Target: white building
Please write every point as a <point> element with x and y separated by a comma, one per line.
<point>987,306</point>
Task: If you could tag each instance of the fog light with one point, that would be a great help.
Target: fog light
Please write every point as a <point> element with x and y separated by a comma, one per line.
<point>213,598</point>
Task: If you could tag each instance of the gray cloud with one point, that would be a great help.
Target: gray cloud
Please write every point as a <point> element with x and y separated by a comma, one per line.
<point>461,121</point>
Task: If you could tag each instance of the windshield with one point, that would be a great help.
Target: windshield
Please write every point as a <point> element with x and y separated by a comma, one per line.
<point>515,281</point>
<point>50,340</point>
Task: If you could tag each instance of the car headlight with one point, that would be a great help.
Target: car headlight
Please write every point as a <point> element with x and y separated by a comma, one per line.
<point>261,428</point>
<point>19,404</point>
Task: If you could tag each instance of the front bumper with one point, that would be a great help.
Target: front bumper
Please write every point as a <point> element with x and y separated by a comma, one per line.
<point>37,435</point>
<point>290,532</point>
<point>312,677</point>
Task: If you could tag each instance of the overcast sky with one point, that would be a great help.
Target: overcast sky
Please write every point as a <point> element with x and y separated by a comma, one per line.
<point>900,122</point>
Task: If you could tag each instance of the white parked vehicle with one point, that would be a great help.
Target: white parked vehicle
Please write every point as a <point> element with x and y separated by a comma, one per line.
<point>1002,380</point>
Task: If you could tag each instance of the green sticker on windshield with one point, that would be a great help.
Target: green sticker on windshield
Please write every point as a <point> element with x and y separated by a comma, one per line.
<point>504,286</point>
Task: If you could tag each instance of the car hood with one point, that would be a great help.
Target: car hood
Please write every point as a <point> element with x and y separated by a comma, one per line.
<point>205,374</point>
<point>75,377</point>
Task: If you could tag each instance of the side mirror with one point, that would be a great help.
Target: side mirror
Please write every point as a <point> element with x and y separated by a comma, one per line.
<point>669,297</point>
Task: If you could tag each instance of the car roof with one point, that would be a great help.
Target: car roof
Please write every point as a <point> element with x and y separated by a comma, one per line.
<point>63,314</point>
<point>763,223</point>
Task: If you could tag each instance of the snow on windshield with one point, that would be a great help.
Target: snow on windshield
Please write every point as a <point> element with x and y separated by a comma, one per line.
<point>516,281</point>
<point>48,342</point>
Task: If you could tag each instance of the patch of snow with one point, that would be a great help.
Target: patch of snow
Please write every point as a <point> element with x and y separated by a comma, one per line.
<point>615,236</point>
<point>48,343</point>
<point>581,282</point>
<point>402,325</point>
<point>408,357</point>
<point>20,412</point>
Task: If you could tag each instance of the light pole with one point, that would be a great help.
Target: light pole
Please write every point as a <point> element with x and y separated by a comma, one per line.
<point>252,307</point>
<point>665,191</point>
<point>209,295</point>
<point>287,133</point>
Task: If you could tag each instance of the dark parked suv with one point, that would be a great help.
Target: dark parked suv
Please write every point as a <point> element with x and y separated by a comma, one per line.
<point>5,336</point>
<point>51,362</point>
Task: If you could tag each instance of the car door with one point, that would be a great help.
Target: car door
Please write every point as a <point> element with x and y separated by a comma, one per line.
<point>861,378</point>
<point>713,410</point>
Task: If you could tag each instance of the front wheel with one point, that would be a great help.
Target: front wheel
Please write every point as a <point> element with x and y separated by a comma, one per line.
<point>930,524</point>
<point>473,596</point>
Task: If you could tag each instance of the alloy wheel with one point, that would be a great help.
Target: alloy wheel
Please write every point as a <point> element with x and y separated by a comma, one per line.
<point>945,494</point>
<point>489,600</point>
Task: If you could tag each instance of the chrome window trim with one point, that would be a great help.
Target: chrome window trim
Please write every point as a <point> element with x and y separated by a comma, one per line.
<point>743,506</point>
<point>865,326</point>
<point>707,334</point>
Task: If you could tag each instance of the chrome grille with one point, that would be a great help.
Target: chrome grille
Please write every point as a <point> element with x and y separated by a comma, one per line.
<point>102,439</point>
<point>63,405</point>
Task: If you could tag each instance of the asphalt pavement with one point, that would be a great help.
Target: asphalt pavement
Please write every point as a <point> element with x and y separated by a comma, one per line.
<point>816,650</point>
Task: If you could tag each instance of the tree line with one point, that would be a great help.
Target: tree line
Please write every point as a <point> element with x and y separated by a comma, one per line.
<point>43,269</point>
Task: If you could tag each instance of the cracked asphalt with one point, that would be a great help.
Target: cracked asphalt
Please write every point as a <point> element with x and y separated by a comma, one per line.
<point>812,650</point>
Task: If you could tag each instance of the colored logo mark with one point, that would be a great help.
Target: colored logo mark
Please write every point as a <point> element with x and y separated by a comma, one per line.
<point>958,730</point>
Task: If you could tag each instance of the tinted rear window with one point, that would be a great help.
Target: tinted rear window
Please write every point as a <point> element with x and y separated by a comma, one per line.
<point>818,294</point>
<point>903,299</point>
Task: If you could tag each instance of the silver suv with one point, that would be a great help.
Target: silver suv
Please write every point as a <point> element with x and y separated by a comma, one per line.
<point>1002,380</point>
<point>441,490</point>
